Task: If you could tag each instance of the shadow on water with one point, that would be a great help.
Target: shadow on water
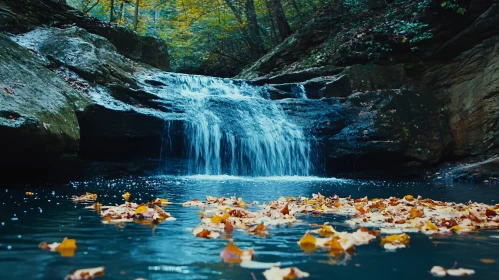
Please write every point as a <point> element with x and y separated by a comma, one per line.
<point>171,252</point>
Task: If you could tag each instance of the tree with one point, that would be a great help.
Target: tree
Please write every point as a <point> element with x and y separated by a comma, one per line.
<point>256,40</point>
<point>111,10</point>
<point>136,18</point>
<point>277,11</point>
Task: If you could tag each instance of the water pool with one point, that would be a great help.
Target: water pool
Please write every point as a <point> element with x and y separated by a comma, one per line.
<point>172,252</point>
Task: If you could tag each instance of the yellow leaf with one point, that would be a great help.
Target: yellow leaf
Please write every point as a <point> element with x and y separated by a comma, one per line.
<point>405,40</point>
<point>326,230</point>
<point>431,226</point>
<point>141,209</point>
<point>396,239</point>
<point>67,247</point>
<point>307,242</point>
<point>409,197</point>
<point>218,219</point>
<point>200,213</point>
<point>488,261</point>
<point>456,228</point>
<point>126,196</point>
<point>335,248</point>
<point>29,193</point>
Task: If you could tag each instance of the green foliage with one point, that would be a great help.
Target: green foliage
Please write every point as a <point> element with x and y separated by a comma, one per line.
<point>453,5</point>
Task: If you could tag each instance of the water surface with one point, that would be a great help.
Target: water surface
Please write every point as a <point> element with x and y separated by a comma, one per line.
<point>172,252</point>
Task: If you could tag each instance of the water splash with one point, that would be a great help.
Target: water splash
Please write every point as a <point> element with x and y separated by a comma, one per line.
<point>233,129</point>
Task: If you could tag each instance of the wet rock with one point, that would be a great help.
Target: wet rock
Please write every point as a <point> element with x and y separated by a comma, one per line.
<point>481,172</point>
<point>20,16</point>
<point>38,111</point>
<point>369,77</point>
<point>468,89</point>
<point>299,76</point>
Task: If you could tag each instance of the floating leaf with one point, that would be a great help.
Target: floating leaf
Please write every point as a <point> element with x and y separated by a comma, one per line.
<point>218,219</point>
<point>259,230</point>
<point>141,209</point>
<point>326,230</point>
<point>126,196</point>
<point>276,273</point>
<point>285,210</point>
<point>231,253</point>
<point>85,274</point>
<point>308,242</point>
<point>67,247</point>
<point>396,239</point>
<point>488,261</point>
<point>416,212</point>
<point>29,193</point>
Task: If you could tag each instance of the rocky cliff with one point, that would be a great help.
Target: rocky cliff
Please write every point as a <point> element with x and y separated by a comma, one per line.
<point>405,110</point>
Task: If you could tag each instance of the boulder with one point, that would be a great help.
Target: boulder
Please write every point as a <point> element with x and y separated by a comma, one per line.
<point>20,16</point>
<point>38,111</point>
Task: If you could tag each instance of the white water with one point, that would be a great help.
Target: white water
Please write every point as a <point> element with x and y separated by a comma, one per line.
<point>233,129</point>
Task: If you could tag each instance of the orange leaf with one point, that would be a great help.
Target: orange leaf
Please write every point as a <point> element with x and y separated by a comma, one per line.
<point>67,247</point>
<point>490,212</point>
<point>228,227</point>
<point>204,233</point>
<point>285,210</point>
<point>337,204</point>
<point>474,218</point>
<point>87,273</point>
<point>416,213</point>
<point>231,253</point>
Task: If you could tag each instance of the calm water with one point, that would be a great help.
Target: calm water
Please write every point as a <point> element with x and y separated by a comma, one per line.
<point>172,252</point>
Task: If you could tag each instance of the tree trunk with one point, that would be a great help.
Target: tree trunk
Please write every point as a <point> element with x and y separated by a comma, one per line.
<point>111,11</point>
<point>136,18</point>
<point>121,11</point>
<point>255,38</point>
<point>280,18</point>
<point>300,16</point>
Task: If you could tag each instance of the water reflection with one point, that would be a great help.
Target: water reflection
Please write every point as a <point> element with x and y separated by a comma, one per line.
<point>171,252</point>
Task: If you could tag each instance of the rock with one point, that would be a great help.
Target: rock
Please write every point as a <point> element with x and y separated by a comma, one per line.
<point>291,50</point>
<point>124,121</point>
<point>396,130</point>
<point>91,56</point>
<point>484,171</point>
<point>468,90</point>
<point>20,16</point>
<point>325,87</point>
<point>370,77</point>
<point>299,76</point>
<point>38,111</point>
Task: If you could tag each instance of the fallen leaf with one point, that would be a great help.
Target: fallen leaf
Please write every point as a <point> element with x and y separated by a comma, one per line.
<point>126,196</point>
<point>85,274</point>
<point>29,193</point>
<point>67,247</point>
<point>259,230</point>
<point>276,273</point>
<point>488,261</point>
<point>285,210</point>
<point>231,253</point>
<point>141,209</point>
<point>308,242</point>
<point>416,212</point>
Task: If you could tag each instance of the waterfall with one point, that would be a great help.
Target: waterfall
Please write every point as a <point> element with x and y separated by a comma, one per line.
<point>233,128</point>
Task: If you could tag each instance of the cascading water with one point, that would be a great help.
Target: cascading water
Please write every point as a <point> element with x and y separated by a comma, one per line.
<point>231,128</point>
